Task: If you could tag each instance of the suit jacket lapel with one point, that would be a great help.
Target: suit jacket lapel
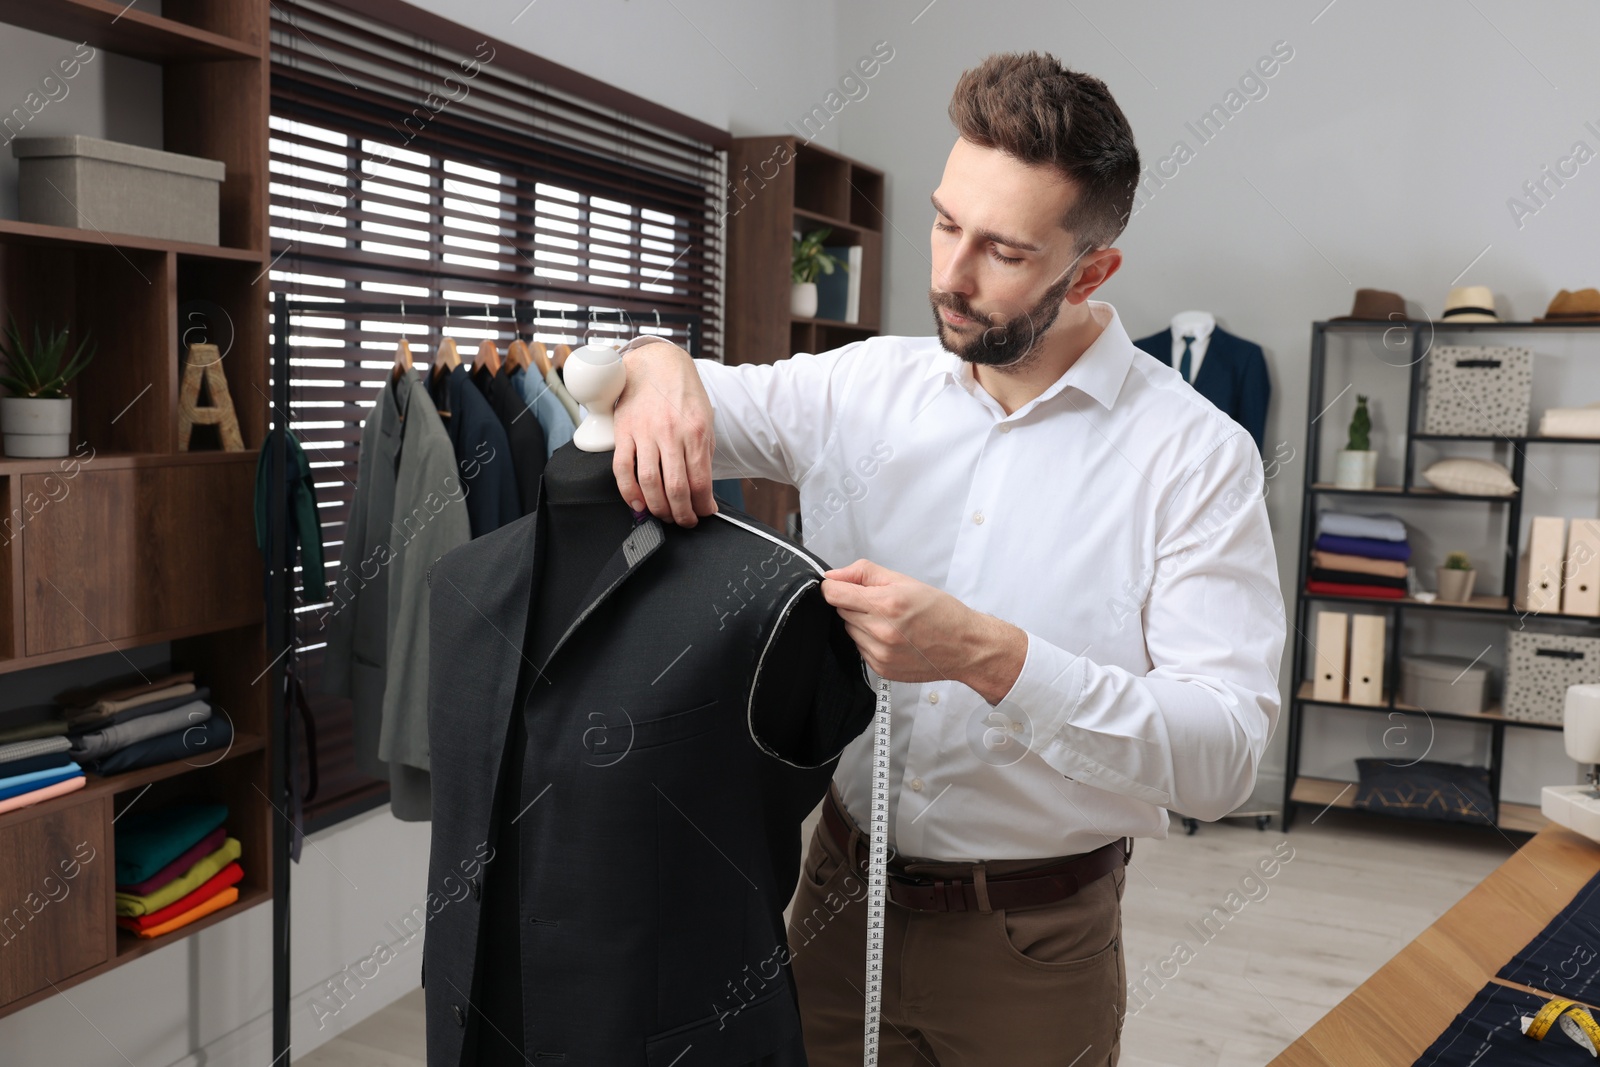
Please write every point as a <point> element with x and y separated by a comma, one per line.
<point>1213,366</point>
<point>637,547</point>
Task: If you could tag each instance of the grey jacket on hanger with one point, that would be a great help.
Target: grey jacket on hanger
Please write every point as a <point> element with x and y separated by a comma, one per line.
<point>683,726</point>
<point>409,509</point>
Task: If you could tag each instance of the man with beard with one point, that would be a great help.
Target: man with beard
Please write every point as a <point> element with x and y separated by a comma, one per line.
<point>1060,559</point>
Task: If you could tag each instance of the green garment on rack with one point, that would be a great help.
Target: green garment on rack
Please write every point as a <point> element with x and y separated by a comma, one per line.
<point>181,886</point>
<point>305,526</point>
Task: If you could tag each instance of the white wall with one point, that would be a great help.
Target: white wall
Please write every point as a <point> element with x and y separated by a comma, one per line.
<point>1382,155</point>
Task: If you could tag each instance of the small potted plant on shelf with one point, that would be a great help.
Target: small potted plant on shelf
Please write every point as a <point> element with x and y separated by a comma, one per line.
<point>36,418</point>
<point>1456,578</point>
<point>1358,462</point>
<point>809,261</point>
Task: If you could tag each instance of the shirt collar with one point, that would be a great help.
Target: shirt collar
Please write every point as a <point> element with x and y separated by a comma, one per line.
<point>1099,372</point>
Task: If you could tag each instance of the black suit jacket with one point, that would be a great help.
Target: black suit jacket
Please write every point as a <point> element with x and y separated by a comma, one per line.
<point>483,454</point>
<point>684,725</point>
<point>523,432</point>
<point>1233,376</point>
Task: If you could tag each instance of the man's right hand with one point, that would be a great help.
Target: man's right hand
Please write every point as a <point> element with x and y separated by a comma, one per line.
<point>664,436</point>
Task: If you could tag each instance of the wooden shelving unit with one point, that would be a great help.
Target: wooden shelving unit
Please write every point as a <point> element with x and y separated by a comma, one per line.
<point>780,186</point>
<point>1301,790</point>
<point>129,542</point>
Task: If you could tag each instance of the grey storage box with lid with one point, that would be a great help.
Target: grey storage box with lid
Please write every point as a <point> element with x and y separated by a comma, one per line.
<point>1448,684</point>
<point>90,184</point>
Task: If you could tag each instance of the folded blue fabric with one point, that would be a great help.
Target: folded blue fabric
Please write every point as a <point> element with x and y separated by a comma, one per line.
<point>1376,527</point>
<point>201,744</point>
<point>1364,546</point>
<point>147,841</point>
<point>18,784</point>
<point>48,762</point>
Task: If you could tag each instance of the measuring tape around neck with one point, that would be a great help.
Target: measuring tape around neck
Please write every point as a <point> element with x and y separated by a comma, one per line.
<point>877,873</point>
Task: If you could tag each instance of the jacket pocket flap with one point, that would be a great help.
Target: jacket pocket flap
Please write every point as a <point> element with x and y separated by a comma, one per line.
<point>735,1036</point>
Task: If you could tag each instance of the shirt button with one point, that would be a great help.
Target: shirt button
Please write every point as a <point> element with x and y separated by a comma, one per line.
<point>461,1016</point>
<point>977,517</point>
<point>916,784</point>
<point>1005,427</point>
<point>933,698</point>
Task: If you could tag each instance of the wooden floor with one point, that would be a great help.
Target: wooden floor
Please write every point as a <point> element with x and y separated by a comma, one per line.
<point>1352,892</point>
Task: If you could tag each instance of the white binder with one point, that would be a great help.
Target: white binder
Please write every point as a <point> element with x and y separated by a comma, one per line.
<point>1546,547</point>
<point>1366,658</point>
<point>1328,684</point>
<point>1580,590</point>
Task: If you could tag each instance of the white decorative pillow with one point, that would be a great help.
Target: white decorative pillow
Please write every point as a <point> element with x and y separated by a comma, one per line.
<point>1476,477</point>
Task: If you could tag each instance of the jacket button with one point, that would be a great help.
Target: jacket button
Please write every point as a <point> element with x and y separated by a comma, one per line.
<point>461,1016</point>
<point>477,888</point>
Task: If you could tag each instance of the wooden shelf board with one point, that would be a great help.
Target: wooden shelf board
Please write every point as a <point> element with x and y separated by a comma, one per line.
<point>131,946</point>
<point>14,231</point>
<point>1414,491</point>
<point>1331,792</point>
<point>1494,713</point>
<point>864,327</point>
<point>120,460</point>
<point>244,743</point>
<point>1486,604</point>
<point>100,648</point>
<point>836,223</point>
<point>1529,439</point>
<point>1386,324</point>
<point>124,29</point>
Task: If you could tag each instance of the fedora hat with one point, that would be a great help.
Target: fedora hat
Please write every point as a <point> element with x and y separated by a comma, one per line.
<point>1375,304</point>
<point>1469,303</point>
<point>1580,306</point>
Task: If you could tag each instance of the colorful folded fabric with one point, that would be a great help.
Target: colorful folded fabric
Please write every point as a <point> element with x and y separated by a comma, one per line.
<point>200,911</point>
<point>18,784</point>
<point>201,849</point>
<point>229,875</point>
<point>60,788</point>
<point>30,722</point>
<point>201,744</point>
<point>1364,546</point>
<point>1376,527</point>
<point>103,742</point>
<point>1338,561</point>
<point>107,712</point>
<point>147,841</point>
<point>182,886</point>
<point>1322,574</point>
<point>39,746</point>
<point>120,689</point>
<point>36,763</point>
<point>1341,589</point>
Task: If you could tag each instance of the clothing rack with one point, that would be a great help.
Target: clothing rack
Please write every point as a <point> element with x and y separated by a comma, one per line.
<point>278,556</point>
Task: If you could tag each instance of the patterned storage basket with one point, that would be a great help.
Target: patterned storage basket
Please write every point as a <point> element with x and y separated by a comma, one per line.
<point>1479,390</point>
<point>1539,669</point>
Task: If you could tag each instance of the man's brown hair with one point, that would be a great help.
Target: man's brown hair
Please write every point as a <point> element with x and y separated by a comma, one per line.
<point>1029,106</point>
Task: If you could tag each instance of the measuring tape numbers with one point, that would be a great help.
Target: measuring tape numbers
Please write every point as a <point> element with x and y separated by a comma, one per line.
<point>877,873</point>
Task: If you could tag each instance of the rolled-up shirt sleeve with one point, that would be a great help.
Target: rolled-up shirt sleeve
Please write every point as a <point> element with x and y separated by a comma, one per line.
<point>1190,733</point>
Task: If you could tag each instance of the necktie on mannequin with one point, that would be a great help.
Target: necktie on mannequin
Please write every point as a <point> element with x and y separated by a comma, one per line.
<point>1183,363</point>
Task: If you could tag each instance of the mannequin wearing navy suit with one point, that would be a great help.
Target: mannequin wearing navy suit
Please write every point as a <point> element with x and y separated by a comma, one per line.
<point>1227,370</point>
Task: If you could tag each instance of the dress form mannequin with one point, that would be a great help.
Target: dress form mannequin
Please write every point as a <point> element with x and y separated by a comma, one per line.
<point>1229,371</point>
<point>581,521</point>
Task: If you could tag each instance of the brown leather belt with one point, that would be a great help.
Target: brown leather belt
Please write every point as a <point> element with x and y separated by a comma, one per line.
<point>1045,885</point>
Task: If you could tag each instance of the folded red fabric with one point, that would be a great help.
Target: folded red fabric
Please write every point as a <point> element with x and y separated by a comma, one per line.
<point>229,875</point>
<point>1341,589</point>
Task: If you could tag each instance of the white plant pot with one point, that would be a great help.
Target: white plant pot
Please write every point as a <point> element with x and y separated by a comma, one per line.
<point>803,300</point>
<point>1456,586</point>
<point>35,427</point>
<point>1356,470</point>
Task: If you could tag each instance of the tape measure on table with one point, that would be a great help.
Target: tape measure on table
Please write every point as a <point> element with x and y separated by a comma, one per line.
<point>1575,1021</point>
<point>877,872</point>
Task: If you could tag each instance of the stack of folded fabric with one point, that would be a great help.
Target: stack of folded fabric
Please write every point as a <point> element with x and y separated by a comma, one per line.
<point>36,768</point>
<point>174,866</point>
<point>1359,555</point>
<point>124,727</point>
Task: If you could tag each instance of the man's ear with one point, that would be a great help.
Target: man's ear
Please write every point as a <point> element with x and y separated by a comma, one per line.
<point>1095,270</point>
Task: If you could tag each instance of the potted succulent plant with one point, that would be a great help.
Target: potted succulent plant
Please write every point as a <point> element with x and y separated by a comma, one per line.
<point>808,261</point>
<point>1456,578</point>
<point>1358,462</point>
<point>37,417</point>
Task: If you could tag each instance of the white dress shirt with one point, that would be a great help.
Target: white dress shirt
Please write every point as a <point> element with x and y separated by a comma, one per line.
<point>1197,351</point>
<point>1117,518</point>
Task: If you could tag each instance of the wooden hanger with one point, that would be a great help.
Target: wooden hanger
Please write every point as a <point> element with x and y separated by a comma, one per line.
<point>541,358</point>
<point>488,358</point>
<point>517,357</point>
<point>445,357</point>
<point>402,359</point>
<point>560,358</point>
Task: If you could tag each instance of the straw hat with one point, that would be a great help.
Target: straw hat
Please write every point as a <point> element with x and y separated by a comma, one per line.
<point>1581,306</point>
<point>1377,304</point>
<point>1469,303</point>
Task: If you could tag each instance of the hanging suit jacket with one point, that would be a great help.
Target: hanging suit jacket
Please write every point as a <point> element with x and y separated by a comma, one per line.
<point>409,509</point>
<point>304,526</point>
<point>687,721</point>
<point>482,452</point>
<point>1233,376</point>
<point>523,432</point>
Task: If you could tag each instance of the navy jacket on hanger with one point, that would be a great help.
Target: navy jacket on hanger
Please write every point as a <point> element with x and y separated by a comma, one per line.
<point>483,453</point>
<point>1233,376</point>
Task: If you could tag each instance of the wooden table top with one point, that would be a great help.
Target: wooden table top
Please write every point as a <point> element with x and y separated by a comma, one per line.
<point>1391,1018</point>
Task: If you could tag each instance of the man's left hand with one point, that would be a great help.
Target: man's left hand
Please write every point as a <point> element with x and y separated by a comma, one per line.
<point>908,631</point>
